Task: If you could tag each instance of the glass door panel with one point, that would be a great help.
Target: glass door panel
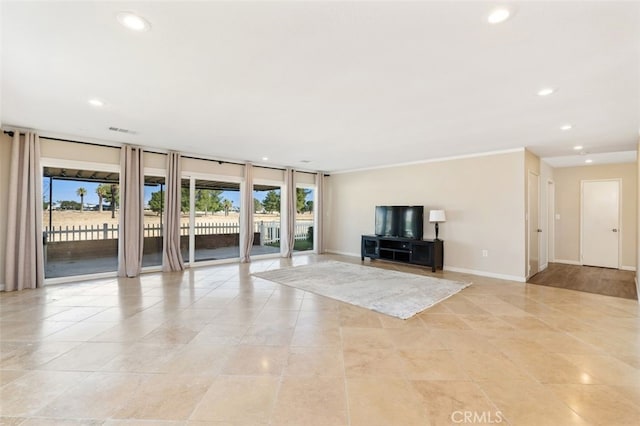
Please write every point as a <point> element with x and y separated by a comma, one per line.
<point>80,221</point>
<point>266,219</point>
<point>305,219</point>
<point>154,193</point>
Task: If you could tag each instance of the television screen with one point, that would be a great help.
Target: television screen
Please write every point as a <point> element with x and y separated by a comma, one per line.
<point>400,221</point>
<point>384,221</point>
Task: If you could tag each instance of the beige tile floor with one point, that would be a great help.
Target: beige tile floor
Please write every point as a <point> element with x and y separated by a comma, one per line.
<point>215,346</point>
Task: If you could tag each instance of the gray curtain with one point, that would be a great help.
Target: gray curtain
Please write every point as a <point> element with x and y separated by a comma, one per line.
<point>287,234</point>
<point>319,208</point>
<point>246,215</point>
<point>171,255</point>
<point>131,231</point>
<point>24,265</point>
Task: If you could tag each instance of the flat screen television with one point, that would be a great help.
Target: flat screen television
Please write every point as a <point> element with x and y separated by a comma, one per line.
<point>400,221</point>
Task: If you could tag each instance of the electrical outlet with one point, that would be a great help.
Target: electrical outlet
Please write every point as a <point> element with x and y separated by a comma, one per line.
<point>557,216</point>
<point>485,253</point>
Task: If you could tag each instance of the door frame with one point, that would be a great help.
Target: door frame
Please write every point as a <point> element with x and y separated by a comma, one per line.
<point>82,165</point>
<point>551,221</point>
<point>582,182</point>
<point>537,175</point>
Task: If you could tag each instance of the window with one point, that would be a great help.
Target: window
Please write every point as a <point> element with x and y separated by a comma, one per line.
<point>80,221</point>
<point>211,219</point>
<point>154,195</point>
<point>305,218</point>
<point>266,219</point>
<point>185,221</point>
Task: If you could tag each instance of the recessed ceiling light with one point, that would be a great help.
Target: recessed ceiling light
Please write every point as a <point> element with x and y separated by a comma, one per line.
<point>265,158</point>
<point>578,147</point>
<point>566,127</point>
<point>133,22</point>
<point>546,91</point>
<point>588,161</point>
<point>96,102</point>
<point>305,161</point>
<point>498,15</point>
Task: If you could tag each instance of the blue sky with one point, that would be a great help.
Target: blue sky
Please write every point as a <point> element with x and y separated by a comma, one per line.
<point>66,190</point>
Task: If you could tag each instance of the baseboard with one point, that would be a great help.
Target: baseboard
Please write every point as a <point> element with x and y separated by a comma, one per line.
<point>76,278</point>
<point>485,274</point>
<point>543,267</point>
<point>637,288</point>
<point>1,287</point>
<point>567,262</point>
<point>574,262</point>
<point>452,269</point>
<point>343,253</point>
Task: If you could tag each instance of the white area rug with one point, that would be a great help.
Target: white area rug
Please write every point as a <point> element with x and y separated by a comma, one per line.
<point>392,293</point>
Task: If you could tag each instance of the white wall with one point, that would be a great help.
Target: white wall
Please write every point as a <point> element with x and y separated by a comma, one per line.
<point>483,197</point>
<point>638,219</point>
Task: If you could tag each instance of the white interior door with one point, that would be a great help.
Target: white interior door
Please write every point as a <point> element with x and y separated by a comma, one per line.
<point>600,234</point>
<point>534,226</point>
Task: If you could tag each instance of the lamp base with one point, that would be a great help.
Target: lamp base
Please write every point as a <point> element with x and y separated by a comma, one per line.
<point>436,231</point>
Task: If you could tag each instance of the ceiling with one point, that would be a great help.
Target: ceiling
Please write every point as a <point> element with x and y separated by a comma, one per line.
<point>327,86</point>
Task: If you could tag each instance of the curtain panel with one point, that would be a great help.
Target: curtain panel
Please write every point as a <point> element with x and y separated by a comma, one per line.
<point>287,234</point>
<point>24,261</point>
<point>131,223</point>
<point>246,215</point>
<point>171,254</point>
<point>319,208</point>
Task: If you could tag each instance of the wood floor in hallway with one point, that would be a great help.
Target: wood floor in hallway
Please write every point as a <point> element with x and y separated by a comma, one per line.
<point>605,281</point>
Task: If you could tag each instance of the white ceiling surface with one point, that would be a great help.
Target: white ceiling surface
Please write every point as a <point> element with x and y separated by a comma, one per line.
<point>600,158</point>
<point>344,85</point>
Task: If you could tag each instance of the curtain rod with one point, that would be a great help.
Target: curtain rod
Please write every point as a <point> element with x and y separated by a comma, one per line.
<point>11,133</point>
<point>242,164</point>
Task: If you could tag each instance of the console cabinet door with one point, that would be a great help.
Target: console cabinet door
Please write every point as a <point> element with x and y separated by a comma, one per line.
<point>421,254</point>
<point>370,247</point>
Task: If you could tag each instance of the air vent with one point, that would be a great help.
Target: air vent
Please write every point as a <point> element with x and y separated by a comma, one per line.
<point>120,130</point>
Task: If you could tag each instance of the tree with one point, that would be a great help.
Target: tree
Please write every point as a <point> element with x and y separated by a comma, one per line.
<point>301,198</point>
<point>102,190</point>
<point>69,205</point>
<point>309,206</point>
<point>208,200</point>
<point>271,202</point>
<point>81,192</point>
<point>257,205</point>
<point>227,205</point>
<point>45,194</point>
<point>113,197</point>
<point>184,200</point>
<point>156,203</point>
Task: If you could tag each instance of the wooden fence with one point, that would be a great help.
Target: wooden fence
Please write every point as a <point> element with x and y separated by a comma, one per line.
<point>269,231</point>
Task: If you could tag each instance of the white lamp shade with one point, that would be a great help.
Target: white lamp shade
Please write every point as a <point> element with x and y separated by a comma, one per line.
<point>437,216</point>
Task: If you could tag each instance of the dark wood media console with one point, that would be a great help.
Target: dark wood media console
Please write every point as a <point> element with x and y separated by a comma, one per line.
<point>418,252</point>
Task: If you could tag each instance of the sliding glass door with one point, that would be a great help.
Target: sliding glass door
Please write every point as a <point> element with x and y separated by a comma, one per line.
<point>267,218</point>
<point>154,196</point>
<point>305,218</point>
<point>210,219</point>
<point>80,220</point>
